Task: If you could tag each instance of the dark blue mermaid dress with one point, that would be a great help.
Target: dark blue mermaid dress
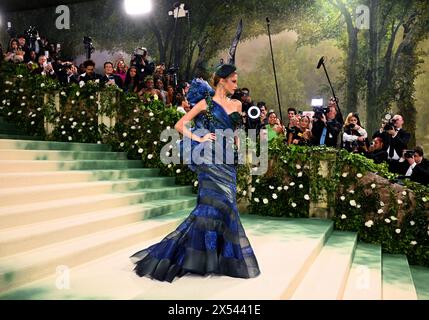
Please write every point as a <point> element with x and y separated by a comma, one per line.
<point>211,240</point>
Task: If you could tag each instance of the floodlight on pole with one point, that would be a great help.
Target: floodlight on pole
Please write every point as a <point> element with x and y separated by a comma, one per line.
<point>136,7</point>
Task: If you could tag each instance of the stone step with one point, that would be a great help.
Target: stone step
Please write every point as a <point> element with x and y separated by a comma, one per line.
<point>42,262</point>
<point>20,137</point>
<point>397,280</point>
<point>59,155</point>
<point>326,279</point>
<point>421,281</point>
<point>34,166</point>
<point>19,215</point>
<point>27,195</point>
<point>364,282</point>
<point>283,248</point>
<point>19,239</point>
<point>52,145</point>
<point>23,179</point>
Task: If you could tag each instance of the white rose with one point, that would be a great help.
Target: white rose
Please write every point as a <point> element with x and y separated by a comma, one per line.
<point>342,198</point>
<point>353,203</point>
<point>413,243</point>
<point>398,231</point>
<point>178,171</point>
<point>32,122</point>
<point>75,123</point>
<point>412,223</point>
<point>345,174</point>
<point>22,104</point>
<point>293,204</point>
<point>358,206</point>
<point>299,174</point>
<point>124,134</point>
<point>83,124</point>
<point>400,201</point>
<point>39,109</point>
<point>387,220</point>
<point>265,200</point>
<point>140,150</point>
<point>307,197</point>
<point>42,85</point>
<point>155,142</point>
<point>380,211</point>
<point>298,167</point>
<point>244,192</point>
<point>80,130</point>
<point>70,138</point>
<point>133,128</point>
<point>83,112</point>
<point>271,187</point>
<point>252,189</point>
<point>150,156</point>
<point>381,204</point>
<point>77,93</point>
<point>257,180</point>
<point>274,196</point>
<point>343,216</point>
<point>300,186</point>
<point>63,93</point>
<point>351,191</point>
<point>19,111</point>
<point>256,200</point>
<point>91,97</point>
<point>155,97</point>
<point>359,175</point>
<point>9,113</point>
<point>82,83</point>
<point>404,193</point>
<point>369,223</point>
<point>23,97</point>
<point>169,166</point>
<point>96,81</point>
<point>373,186</point>
<point>148,131</point>
<point>393,218</point>
<point>292,184</point>
<point>150,114</point>
<point>424,199</point>
<point>279,188</point>
<point>285,188</point>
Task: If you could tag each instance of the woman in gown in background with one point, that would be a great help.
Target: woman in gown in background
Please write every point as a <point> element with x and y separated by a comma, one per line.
<point>211,240</point>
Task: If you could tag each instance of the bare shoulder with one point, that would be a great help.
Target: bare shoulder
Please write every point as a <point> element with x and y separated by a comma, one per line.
<point>237,104</point>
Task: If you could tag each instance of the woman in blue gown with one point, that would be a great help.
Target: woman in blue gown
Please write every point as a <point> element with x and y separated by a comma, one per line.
<point>211,240</point>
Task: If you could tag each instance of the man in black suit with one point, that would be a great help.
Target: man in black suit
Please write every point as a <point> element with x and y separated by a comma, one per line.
<point>415,166</point>
<point>89,74</point>
<point>325,130</point>
<point>109,77</point>
<point>396,140</point>
<point>376,151</point>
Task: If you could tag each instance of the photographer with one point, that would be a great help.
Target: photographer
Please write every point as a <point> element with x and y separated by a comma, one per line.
<point>14,54</point>
<point>140,60</point>
<point>67,73</point>
<point>326,128</point>
<point>414,166</point>
<point>109,78</point>
<point>396,141</point>
<point>354,136</point>
<point>376,151</point>
<point>44,68</point>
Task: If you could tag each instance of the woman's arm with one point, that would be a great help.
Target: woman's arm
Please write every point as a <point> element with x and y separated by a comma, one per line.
<point>180,126</point>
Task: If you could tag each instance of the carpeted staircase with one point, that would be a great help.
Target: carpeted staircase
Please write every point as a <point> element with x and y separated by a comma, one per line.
<point>84,209</point>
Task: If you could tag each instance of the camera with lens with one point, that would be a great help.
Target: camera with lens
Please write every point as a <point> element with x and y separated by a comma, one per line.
<point>140,52</point>
<point>173,70</point>
<point>390,125</point>
<point>408,154</point>
<point>319,111</point>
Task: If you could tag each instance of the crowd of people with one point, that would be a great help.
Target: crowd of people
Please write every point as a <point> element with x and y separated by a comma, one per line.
<point>144,78</point>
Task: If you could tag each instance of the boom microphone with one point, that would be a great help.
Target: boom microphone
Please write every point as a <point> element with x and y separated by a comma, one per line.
<point>321,61</point>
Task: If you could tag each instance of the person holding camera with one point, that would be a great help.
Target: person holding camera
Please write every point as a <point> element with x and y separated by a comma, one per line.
<point>376,151</point>
<point>110,78</point>
<point>44,68</point>
<point>326,127</point>
<point>302,134</point>
<point>274,128</point>
<point>14,53</point>
<point>67,73</point>
<point>396,141</point>
<point>414,166</point>
<point>354,136</point>
<point>141,61</point>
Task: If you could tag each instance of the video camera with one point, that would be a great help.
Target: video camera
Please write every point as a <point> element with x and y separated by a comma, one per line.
<point>140,52</point>
<point>318,108</point>
<point>87,41</point>
<point>390,124</point>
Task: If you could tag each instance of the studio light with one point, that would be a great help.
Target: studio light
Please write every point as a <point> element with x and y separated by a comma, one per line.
<point>136,7</point>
